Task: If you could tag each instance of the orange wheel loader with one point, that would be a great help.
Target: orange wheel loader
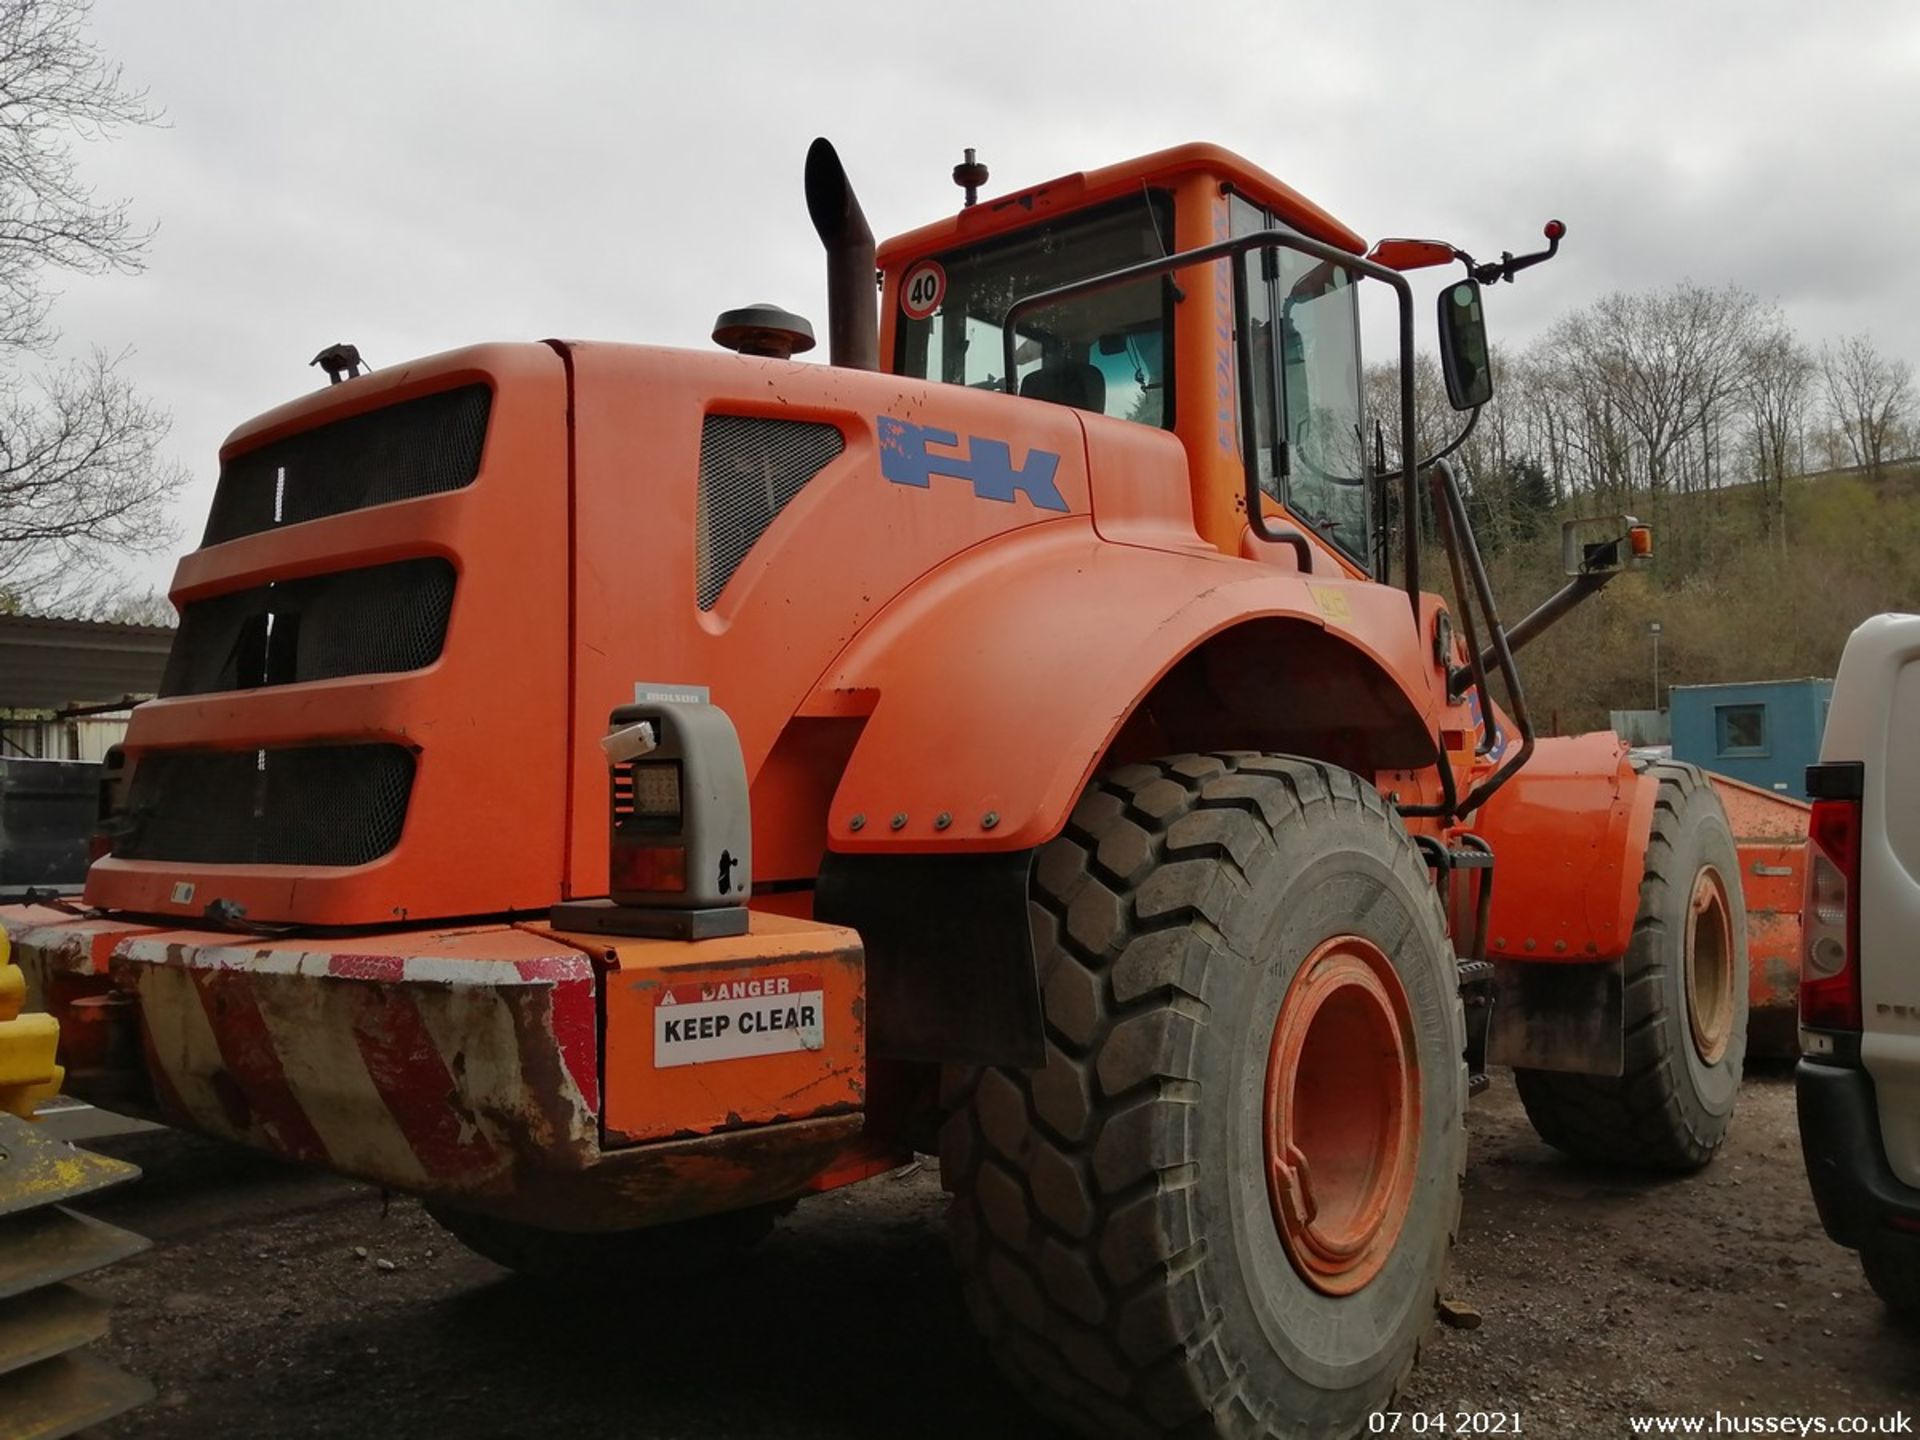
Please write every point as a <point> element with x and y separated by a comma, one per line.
<point>612,792</point>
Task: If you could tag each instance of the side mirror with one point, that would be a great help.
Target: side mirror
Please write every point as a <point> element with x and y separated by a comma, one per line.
<point>1463,346</point>
<point>1605,545</point>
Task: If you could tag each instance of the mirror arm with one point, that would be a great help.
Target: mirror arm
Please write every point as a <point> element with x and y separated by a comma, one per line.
<point>1510,264</point>
<point>1549,611</point>
<point>1473,419</point>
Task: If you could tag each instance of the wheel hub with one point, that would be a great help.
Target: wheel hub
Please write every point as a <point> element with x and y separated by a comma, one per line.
<point>1342,1115</point>
<point>1710,977</point>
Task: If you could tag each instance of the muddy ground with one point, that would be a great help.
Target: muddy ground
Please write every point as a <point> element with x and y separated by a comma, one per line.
<point>263,1310</point>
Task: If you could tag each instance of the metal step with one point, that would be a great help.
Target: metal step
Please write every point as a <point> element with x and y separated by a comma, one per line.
<point>43,1247</point>
<point>47,1387</point>
<point>65,1394</point>
<point>44,1323</point>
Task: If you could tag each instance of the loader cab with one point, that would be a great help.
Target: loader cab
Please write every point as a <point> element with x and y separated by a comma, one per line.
<point>1159,352</point>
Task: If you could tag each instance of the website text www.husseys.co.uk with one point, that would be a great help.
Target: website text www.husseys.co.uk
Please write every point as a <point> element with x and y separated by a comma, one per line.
<point>1720,1423</point>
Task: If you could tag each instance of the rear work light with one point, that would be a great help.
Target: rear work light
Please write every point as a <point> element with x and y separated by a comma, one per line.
<point>1830,920</point>
<point>679,848</point>
<point>656,789</point>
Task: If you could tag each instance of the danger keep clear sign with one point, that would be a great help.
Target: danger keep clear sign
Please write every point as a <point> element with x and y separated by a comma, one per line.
<point>733,1019</point>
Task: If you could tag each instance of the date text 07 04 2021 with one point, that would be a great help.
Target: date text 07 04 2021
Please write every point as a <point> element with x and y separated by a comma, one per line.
<point>1444,1422</point>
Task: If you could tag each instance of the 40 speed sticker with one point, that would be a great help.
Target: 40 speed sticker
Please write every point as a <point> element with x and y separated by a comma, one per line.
<point>733,1019</point>
<point>922,289</point>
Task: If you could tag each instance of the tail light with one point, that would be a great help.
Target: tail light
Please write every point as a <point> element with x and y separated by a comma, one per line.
<point>1830,921</point>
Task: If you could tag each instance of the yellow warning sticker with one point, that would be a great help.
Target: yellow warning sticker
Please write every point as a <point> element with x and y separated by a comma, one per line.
<point>1332,602</point>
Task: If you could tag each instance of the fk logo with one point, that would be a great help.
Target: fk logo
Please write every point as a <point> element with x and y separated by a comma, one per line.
<point>987,465</point>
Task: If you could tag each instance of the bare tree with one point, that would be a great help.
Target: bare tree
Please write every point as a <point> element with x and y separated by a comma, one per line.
<point>1665,363</point>
<point>80,472</point>
<point>1779,374</point>
<point>1434,420</point>
<point>1868,396</point>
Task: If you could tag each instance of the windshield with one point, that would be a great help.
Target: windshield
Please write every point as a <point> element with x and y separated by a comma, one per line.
<point>1110,352</point>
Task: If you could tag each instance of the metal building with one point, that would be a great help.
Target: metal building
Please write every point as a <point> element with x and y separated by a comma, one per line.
<point>66,685</point>
<point>1765,732</point>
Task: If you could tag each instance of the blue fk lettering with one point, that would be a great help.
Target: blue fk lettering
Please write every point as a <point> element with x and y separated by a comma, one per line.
<point>987,465</point>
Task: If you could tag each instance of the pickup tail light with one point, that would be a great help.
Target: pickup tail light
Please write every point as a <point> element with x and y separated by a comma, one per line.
<point>1830,921</point>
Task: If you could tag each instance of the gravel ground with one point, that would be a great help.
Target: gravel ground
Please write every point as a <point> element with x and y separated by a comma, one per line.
<point>280,1303</point>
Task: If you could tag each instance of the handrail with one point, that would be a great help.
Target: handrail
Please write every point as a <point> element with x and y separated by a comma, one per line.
<point>1235,250</point>
<point>1457,535</point>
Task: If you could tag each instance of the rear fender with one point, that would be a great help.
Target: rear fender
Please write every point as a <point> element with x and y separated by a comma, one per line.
<point>995,687</point>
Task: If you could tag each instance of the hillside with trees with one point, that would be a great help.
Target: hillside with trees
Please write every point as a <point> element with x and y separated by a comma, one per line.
<point>1778,476</point>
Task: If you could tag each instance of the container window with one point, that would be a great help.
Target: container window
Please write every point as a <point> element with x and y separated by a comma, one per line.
<point>1742,729</point>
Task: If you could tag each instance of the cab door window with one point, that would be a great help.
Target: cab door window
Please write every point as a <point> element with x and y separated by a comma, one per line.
<point>1306,331</point>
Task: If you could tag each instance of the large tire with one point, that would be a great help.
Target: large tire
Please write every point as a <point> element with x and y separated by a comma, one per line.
<point>599,1258</point>
<point>1671,1106</point>
<point>1111,1216</point>
<point>1892,1266</point>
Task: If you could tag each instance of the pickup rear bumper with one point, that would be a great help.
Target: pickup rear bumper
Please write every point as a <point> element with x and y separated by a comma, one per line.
<point>1854,1188</point>
<point>469,1064</point>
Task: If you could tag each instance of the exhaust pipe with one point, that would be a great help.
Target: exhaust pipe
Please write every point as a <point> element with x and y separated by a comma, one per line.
<point>853,306</point>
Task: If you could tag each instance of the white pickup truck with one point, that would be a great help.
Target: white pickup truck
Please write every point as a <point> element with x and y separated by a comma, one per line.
<point>1859,1083</point>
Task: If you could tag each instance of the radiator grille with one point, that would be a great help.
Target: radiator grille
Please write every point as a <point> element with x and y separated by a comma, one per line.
<point>306,805</point>
<point>418,447</point>
<point>374,621</point>
<point>750,469</point>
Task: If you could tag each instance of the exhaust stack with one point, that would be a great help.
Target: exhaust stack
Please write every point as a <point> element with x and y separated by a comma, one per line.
<point>853,307</point>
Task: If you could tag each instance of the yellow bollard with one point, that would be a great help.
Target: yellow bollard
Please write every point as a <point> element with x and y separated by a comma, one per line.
<point>28,1043</point>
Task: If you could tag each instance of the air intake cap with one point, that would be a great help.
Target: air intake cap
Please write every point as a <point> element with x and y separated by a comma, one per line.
<point>763,330</point>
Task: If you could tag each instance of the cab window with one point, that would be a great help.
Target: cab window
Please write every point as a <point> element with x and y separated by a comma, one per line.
<point>1110,352</point>
<point>1307,387</point>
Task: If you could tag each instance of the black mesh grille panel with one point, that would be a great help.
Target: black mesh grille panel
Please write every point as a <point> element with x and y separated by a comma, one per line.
<point>357,622</point>
<point>310,805</point>
<point>750,469</point>
<point>418,447</point>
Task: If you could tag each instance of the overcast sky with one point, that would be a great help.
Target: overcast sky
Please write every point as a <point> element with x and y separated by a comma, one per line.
<point>415,176</point>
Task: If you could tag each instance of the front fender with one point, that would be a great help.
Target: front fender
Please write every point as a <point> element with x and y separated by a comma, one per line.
<point>995,685</point>
<point>1571,833</point>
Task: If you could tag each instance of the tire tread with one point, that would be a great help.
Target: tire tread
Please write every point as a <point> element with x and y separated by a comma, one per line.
<point>1111,1329</point>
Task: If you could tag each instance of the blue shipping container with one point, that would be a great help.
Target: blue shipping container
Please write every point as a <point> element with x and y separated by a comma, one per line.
<point>1765,732</point>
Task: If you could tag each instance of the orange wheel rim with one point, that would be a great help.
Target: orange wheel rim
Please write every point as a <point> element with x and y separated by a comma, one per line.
<point>1709,960</point>
<point>1342,1115</point>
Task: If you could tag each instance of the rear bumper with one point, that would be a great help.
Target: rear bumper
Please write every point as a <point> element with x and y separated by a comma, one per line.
<point>432,1062</point>
<point>1854,1189</point>
<point>471,1065</point>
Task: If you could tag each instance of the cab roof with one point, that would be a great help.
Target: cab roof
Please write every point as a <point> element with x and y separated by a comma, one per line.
<point>1086,187</point>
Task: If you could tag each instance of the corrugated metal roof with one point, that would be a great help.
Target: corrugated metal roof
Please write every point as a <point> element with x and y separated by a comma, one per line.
<point>49,663</point>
